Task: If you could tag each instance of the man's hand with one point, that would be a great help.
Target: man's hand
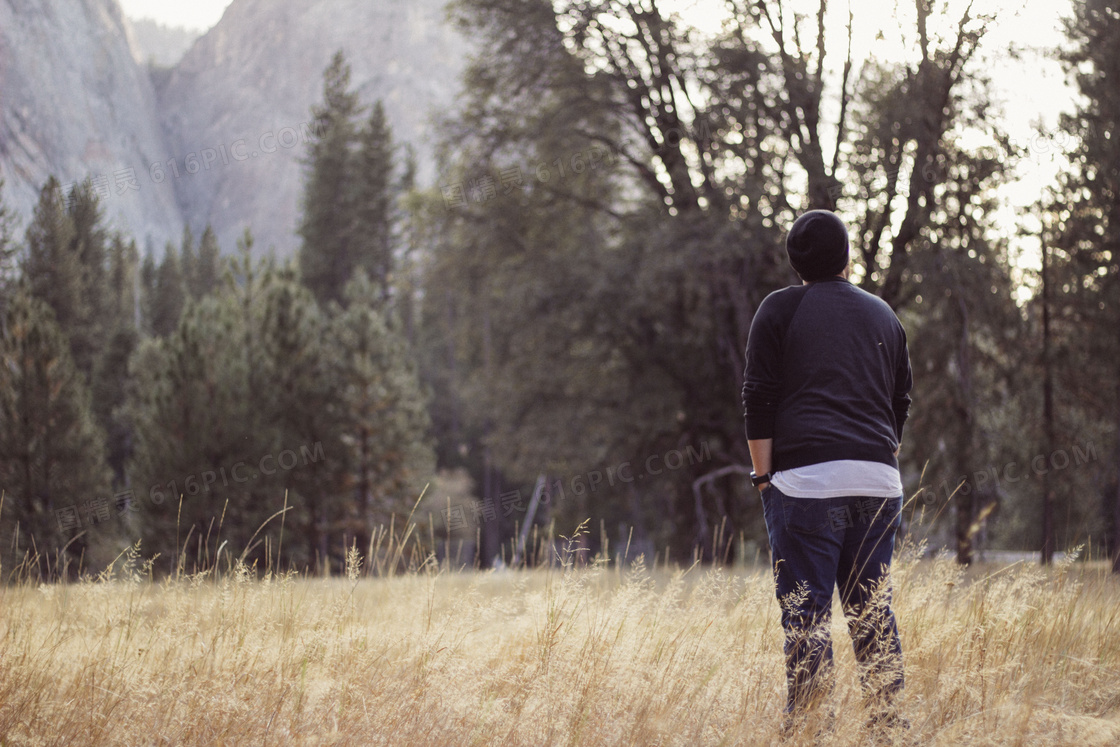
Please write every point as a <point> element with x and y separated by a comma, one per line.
<point>762,449</point>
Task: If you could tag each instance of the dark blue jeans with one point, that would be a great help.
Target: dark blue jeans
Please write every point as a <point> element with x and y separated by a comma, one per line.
<point>817,545</point>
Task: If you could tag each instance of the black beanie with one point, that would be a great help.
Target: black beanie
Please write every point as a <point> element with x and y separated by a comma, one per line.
<point>817,245</point>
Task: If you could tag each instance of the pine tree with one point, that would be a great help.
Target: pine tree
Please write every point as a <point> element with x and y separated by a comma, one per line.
<point>168,294</point>
<point>67,266</point>
<point>373,200</point>
<point>1084,234</point>
<point>110,379</point>
<point>234,410</point>
<point>382,416</point>
<point>406,283</point>
<point>52,270</point>
<point>149,270</point>
<point>326,255</point>
<point>196,455</point>
<point>122,283</point>
<point>188,261</point>
<point>207,271</point>
<point>8,247</point>
<point>91,245</point>
<point>109,386</point>
<point>200,432</point>
<point>300,403</point>
<point>52,468</point>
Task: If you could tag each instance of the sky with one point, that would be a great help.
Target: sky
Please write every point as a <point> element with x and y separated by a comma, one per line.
<point>191,14</point>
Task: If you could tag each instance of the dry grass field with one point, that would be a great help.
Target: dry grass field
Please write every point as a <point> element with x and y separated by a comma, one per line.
<point>554,656</point>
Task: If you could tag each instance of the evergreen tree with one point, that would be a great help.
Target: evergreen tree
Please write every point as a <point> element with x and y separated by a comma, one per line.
<point>8,247</point>
<point>88,278</point>
<point>410,217</point>
<point>188,261</point>
<point>301,405</point>
<point>122,283</point>
<point>1082,235</point>
<point>327,255</point>
<point>168,294</point>
<point>256,372</point>
<point>199,431</point>
<point>90,245</point>
<point>207,270</point>
<point>373,198</point>
<point>110,379</point>
<point>149,270</point>
<point>961,323</point>
<point>381,414</point>
<point>194,450</point>
<point>51,269</point>
<point>67,265</point>
<point>51,452</point>
<point>109,386</point>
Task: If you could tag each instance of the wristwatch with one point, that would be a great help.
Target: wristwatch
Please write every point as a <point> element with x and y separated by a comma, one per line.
<point>757,479</point>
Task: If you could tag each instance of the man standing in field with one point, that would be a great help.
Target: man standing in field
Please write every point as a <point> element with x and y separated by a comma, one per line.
<point>825,395</point>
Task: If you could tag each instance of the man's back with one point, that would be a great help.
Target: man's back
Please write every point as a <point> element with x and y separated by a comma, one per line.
<point>829,365</point>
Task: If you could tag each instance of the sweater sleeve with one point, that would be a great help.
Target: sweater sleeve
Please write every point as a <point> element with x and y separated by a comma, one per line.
<point>762,383</point>
<point>903,383</point>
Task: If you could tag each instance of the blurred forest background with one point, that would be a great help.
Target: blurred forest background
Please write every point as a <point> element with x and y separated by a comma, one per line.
<point>555,332</point>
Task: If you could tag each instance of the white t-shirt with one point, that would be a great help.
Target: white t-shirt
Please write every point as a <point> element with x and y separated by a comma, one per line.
<point>840,478</point>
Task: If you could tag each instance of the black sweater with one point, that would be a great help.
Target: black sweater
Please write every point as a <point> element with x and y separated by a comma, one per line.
<point>828,375</point>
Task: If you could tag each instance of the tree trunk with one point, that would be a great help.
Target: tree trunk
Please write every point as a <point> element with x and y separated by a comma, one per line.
<point>965,498</point>
<point>1116,508</point>
<point>491,539</point>
<point>965,515</point>
<point>1116,511</point>
<point>323,542</point>
<point>1047,416</point>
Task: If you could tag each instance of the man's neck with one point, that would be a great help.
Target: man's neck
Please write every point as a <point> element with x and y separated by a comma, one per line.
<point>842,276</point>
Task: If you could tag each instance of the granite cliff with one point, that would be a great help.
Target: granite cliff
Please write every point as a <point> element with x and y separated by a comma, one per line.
<point>219,137</point>
<point>74,103</point>
<point>241,99</point>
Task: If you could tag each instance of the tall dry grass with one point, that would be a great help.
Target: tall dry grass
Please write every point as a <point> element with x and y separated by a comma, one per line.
<point>564,655</point>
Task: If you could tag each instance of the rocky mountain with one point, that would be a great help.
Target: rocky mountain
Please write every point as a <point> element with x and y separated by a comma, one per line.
<point>219,137</point>
<point>159,45</point>
<point>74,103</point>
<point>241,99</point>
